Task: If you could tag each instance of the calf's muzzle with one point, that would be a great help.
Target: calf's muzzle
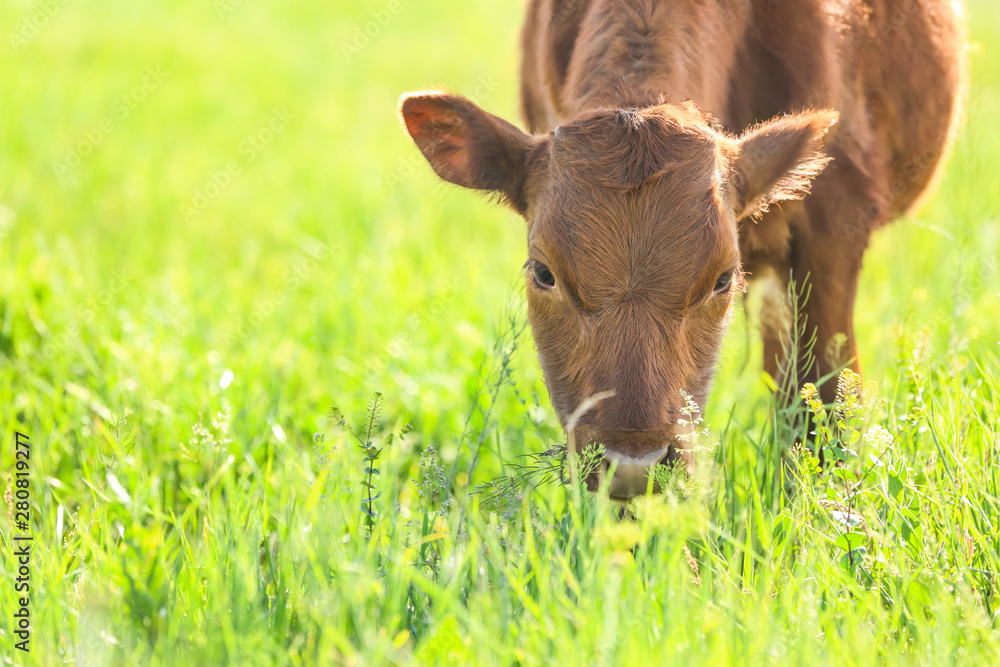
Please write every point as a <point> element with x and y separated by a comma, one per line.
<point>635,455</point>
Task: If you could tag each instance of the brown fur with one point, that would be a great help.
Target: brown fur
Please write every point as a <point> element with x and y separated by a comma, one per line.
<point>637,200</point>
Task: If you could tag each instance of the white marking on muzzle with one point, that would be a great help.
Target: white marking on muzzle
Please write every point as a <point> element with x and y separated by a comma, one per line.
<point>632,472</point>
<point>647,461</point>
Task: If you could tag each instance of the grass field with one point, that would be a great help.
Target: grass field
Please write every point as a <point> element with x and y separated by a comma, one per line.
<point>213,231</point>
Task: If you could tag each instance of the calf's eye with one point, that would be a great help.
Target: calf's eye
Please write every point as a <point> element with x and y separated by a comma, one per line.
<point>723,283</point>
<point>543,277</point>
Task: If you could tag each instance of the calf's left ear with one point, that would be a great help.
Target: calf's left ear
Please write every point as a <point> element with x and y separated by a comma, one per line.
<point>467,146</point>
<point>778,161</point>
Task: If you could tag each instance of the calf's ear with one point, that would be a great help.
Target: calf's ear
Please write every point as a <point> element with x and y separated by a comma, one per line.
<point>467,146</point>
<point>778,161</point>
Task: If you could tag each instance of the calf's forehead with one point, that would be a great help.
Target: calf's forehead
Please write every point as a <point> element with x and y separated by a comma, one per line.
<point>654,241</point>
<point>627,200</point>
<point>622,148</point>
<point>633,174</point>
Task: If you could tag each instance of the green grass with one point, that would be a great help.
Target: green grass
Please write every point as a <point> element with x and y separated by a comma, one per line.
<point>221,522</point>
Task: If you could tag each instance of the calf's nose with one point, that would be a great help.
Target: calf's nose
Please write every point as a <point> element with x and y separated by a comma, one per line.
<point>635,454</point>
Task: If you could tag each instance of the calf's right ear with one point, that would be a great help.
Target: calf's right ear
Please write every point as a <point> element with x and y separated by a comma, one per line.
<point>778,160</point>
<point>467,146</point>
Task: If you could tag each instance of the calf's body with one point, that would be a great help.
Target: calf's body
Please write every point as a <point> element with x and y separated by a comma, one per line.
<point>678,146</point>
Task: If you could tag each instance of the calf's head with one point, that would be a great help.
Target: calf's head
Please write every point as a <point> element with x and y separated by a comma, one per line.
<point>633,258</point>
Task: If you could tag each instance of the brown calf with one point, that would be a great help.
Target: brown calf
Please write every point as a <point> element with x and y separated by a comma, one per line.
<point>645,213</point>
